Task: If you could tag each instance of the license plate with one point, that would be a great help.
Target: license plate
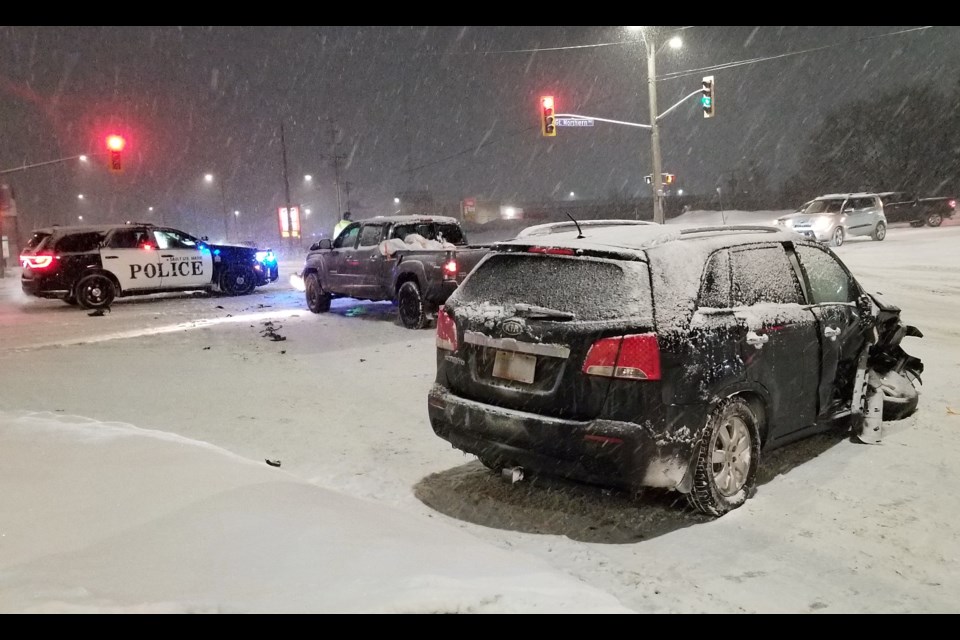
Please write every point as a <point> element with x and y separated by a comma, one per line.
<point>519,367</point>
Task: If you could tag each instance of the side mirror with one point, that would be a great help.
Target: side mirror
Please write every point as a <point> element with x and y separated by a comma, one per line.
<point>848,210</point>
<point>326,243</point>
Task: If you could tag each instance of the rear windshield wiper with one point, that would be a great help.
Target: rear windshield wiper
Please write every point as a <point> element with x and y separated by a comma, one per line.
<point>533,311</point>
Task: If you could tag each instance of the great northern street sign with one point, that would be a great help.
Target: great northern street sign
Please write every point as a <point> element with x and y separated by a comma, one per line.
<point>574,122</point>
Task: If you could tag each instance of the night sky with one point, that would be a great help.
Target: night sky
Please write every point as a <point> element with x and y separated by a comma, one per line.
<point>448,109</point>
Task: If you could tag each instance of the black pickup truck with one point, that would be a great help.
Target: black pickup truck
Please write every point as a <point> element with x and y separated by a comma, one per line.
<point>899,206</point>
<point>416,261</point>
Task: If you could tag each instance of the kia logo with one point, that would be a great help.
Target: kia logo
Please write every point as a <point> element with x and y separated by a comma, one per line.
<point>512,327</point>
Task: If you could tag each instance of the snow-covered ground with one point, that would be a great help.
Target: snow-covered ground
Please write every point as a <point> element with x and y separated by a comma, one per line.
<point>370,511</point>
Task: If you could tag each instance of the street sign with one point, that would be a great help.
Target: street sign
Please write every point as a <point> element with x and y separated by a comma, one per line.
<point>574,122</point>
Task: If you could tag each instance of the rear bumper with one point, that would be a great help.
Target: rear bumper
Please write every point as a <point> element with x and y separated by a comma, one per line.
<point>438,294</point>
<point>603,452</point>
<point>43,287</point>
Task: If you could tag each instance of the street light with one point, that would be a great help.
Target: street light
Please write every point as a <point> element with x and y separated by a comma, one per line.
<point>79,196</point>
<point>208,177</point>
<point>650,43</point>
<point>80,218</point>
<point>149,208</point>
<point>573,195</point>
<point>83,158</point>
<point>307,178</point>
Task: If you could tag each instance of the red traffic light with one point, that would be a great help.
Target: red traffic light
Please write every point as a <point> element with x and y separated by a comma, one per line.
<point>116,143</point>
<point>547,102</point>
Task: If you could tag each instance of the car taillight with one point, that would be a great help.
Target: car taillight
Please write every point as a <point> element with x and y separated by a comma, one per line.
<point>953,204</point>
<point>450,268</point>
<point>553,251</point>
<point>634,357</point>
<point>446,331</point>
<point>36,262</point>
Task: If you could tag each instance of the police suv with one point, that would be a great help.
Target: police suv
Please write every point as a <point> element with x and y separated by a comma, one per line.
<point>91,265</point>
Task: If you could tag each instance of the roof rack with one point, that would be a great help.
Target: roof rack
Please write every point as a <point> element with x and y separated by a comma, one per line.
<point>141,224</point>
<point>731,227</point>
<point>553,227</point>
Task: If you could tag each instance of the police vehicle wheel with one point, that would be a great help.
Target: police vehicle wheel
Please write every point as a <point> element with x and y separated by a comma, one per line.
<point>238,281</point>
<point>880,231</point>
<point>95,291</point>
<point>727,458</point>
<point>317,299</point>
<point>413,310</point>
<point>934,220</point>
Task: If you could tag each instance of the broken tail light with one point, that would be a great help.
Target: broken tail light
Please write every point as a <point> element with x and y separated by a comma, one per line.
<point>446,331</point>
<point>633,357</point>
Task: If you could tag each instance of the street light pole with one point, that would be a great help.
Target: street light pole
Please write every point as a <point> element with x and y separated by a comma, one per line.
<point>223,204</point>
<point>657,178</point>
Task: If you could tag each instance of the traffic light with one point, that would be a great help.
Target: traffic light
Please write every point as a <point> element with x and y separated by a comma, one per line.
<point>668,178</point>
<point>548,126</point>
<point>708,100</point>
<point>115,145</point>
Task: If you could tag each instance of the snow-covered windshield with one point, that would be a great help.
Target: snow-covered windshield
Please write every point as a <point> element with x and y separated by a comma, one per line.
<point>826,206</point>
<point>591,289</point>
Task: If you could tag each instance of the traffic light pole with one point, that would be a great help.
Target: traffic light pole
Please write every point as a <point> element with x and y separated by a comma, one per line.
<point>43,164</point>
<point>654,130</point>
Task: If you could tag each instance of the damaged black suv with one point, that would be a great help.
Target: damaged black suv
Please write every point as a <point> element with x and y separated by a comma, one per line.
<point>638,355</point>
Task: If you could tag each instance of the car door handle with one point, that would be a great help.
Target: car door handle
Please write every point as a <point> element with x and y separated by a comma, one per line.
<point>166,255</point>
<point>110,257</point>
<point>831,332</point>
<point>756,339</point>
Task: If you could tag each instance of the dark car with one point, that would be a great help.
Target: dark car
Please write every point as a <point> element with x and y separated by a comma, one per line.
<point>91,265</point>
<point>645,356</point>
<point>899,206</point>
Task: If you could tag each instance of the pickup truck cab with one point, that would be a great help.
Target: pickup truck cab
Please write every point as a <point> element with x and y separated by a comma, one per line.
<point>904,207</point>
<point>415,261</point>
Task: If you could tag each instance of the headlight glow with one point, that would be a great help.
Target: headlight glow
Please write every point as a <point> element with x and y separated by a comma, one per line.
<point>297,282</point>
<point>266,256</point>
<point>821,223</point>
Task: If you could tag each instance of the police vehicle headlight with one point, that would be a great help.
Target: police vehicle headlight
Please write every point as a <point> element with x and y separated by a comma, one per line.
<point>266,257</point>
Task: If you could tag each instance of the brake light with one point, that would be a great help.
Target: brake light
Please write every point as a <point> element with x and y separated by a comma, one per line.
<point>553,251</point>
<point>450,268</point>
<point>634,357</point>
<point>952,203</point>
<point>36,262</point>
<point>146,246</point>
<point>446,331</point>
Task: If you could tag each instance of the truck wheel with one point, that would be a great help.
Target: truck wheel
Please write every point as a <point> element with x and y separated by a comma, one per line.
<point>934,219</point>
<point>836,238</point>
<point>727,458</point>
<point>238,280</point>
<point>413,311</point>
<point>317,299</point>
<point>879,231</point>
<point>95,291</point>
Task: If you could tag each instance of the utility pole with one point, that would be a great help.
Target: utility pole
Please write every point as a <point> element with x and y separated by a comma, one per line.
<point>346,187</point>
<point>336,165</point>
<point>223,205</point>
<point>651,46</point>
<point>286,184</point>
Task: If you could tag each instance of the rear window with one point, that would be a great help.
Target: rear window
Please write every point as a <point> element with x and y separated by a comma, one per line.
<point>37,240</point>
<point>591,289</point>
<point>80,242</point>
<point>445,232</point>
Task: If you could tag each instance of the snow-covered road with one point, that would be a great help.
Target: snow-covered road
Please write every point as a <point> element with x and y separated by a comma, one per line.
<point>835,526</point>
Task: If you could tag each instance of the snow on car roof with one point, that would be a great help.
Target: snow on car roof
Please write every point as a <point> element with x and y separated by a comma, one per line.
<point>412,218</point>
<point>861,194</point>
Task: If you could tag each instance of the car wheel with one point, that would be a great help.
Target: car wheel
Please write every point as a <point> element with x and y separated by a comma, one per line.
<point>413,310</point>
<point>95,291</point>
<point>836,238</point>
<point>727,459</point>
<point>879,231</point>
<point>238,281</point>
<point>900,396</point>
<point>317,299</point>
<point>934,219</point>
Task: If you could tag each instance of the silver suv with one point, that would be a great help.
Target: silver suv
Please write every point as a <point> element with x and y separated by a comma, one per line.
<point>833,217</point>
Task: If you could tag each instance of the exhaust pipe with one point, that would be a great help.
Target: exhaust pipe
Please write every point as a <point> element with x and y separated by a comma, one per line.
<point>512,474</point>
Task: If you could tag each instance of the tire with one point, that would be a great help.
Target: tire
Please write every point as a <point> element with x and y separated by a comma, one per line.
<point>727,458</point>
<point>934,219</point>
<point>95,291</point>
<point>836,238</point>
<point>238,280</point>
<point>317,299</point>
<point>412,308</point>
<point>879,232</point>
<point>900,396</point>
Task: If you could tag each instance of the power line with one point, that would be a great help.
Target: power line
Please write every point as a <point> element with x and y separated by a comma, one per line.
<point>539,49</point>
<point>729,65</point>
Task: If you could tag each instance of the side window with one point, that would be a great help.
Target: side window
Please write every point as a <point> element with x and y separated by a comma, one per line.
<point>715,286</point>
<point>170,239</point>
<point>763,274</point>
<point>370,235</point>
<point>829,282</point>
<point>129,239</point>
<point>79,242</point>
<point>347,239</point>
